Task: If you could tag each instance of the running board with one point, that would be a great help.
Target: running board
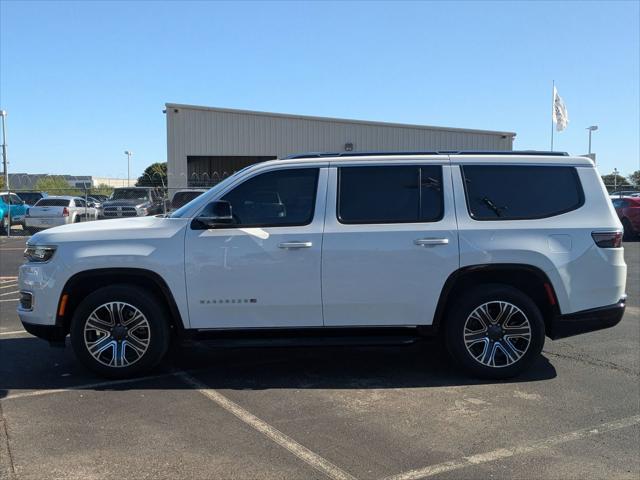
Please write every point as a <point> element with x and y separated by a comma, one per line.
<point>308,337</point>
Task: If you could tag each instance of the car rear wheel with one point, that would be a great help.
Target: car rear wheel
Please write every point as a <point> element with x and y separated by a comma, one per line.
<point>120,331</point>
<point>495,331</point>
<point>4,225</point>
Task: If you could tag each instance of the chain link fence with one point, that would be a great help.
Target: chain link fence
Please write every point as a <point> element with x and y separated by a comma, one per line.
<point>54,200</point>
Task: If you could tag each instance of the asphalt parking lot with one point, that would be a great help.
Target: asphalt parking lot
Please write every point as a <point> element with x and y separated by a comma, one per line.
<point>393,413</point>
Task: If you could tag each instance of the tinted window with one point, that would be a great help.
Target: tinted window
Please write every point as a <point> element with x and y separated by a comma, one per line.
<point>387,194</point>
<point>510,192</point>
<point>182,198</point>
<point>79,203</point>
<point>278,198</point>
<point>52,202</point>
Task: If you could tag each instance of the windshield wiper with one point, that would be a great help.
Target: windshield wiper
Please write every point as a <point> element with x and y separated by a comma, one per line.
<point>497,210</point>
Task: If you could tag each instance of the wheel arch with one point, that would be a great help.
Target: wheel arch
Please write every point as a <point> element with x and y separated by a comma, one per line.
<point>529,279</point>
<point>85,282</point>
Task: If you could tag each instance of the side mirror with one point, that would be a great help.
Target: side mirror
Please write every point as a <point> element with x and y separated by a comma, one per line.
<point>216,214</point>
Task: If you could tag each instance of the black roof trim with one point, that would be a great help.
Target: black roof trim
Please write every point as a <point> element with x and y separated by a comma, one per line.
<point>436,152</point>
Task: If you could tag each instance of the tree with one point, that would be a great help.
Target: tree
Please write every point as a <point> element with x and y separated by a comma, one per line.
<point>56,185</point>
<point>612,181</point>
<point>155,175</point>
<point>634,178</point>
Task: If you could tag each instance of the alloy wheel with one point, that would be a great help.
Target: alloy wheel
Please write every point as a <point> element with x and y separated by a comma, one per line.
<point>117,334</point>
<point>497,334</point>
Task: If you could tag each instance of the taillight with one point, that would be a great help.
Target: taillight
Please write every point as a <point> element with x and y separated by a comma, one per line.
<point>612,239</point>
<point>65,212</point>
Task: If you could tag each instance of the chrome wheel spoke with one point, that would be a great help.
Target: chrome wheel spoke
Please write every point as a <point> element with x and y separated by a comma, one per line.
<point>518,331</point>
<point>473,337</point>
<point>488,355</point>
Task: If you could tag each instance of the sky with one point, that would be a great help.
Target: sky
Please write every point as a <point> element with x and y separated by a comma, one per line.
<point>84,81</point>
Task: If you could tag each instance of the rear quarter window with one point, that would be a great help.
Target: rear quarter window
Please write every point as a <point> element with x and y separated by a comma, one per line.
<point>520,192</point>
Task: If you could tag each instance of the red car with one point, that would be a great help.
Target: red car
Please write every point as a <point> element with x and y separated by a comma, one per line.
<point>628,210</point>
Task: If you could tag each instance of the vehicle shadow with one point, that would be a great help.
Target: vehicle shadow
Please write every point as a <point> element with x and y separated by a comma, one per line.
<point>30,364</point>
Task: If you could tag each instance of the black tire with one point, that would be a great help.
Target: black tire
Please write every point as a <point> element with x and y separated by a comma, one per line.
<point>628,232</point>
<point>157,333</point>
<point>4,225</point>
<point>485,295</point>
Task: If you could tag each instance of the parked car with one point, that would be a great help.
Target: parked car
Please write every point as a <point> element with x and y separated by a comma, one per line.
<point>31,198</point>
<point>624,193</point>
<point>133,202</point>
<point>12,210</point>
<point>95,203</point>
<point>494,251</point>
<point>54,211</point>
<point>99,197</point>
<point>182,197</point>
<point>628,210</point>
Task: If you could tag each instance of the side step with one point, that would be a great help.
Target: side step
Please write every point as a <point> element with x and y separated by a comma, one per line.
<point>307,337</point>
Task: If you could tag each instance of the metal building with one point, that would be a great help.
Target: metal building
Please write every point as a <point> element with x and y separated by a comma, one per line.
<point>207,144</point>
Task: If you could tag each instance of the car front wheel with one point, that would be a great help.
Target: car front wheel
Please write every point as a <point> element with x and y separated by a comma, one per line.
<point>495,331</point>
<point>120,331</point>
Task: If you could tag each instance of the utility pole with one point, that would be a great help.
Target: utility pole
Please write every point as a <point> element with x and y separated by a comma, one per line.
<point>5,161</point>
<point>128,153</point>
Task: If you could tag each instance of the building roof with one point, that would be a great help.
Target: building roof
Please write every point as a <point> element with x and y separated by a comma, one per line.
<point>337,120</point>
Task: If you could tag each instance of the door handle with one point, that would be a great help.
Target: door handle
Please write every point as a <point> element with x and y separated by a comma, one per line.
<point>429,242</point>
<point>295,245</point>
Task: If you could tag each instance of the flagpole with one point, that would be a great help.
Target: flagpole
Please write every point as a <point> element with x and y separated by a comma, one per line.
<point>553,101</point>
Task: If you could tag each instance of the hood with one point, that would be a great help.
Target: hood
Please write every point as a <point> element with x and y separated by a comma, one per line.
<point>134,202</point>
<point>125,229</point>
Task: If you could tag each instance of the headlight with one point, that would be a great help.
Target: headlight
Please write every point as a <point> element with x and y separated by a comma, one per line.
<point>39,253</point>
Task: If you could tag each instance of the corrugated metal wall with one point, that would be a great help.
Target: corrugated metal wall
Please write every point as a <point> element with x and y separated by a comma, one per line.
<point>195,131</point>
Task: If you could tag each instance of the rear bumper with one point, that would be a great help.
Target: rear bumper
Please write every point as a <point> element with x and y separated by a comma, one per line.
<point>563,326</point>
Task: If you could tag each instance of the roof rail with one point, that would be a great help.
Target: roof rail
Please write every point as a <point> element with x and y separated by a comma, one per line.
<point>435,152</point>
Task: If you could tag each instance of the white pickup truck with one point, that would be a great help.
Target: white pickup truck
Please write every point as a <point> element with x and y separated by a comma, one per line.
<point>55,211</point>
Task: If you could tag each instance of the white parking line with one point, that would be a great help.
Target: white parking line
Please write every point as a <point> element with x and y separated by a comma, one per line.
<point>10,300</point>
<point>8,285</point>
<point>4,279</point>
<point>13,332</point>
<point>107,383</point>
<point>300,451</point>
<point>8,293</point>
<point>503,453</point>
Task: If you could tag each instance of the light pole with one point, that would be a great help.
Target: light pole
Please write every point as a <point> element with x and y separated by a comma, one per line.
<point>5,162</point>
<point>615,179</point>
<point>128,153</point>
<point>592,128</point>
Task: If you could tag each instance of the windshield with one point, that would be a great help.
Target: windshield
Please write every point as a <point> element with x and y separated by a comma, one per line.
<point>182,211</point>
<point>129,194</point>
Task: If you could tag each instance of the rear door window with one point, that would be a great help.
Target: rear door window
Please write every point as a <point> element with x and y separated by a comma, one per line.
<point>390,194</point>
<point>520,192</point>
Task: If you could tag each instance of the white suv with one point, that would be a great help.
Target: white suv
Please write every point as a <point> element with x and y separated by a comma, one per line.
<point>490,250</point>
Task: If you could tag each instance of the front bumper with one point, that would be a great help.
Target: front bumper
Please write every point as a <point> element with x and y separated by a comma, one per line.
<point>51,333</point>
<point>563,326</point>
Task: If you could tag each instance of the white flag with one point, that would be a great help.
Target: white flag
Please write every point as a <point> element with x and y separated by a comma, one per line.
<point>560,114</point>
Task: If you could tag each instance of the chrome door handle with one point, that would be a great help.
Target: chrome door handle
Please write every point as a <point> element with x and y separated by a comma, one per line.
<point>295,245</point>
<point>428,242</point>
